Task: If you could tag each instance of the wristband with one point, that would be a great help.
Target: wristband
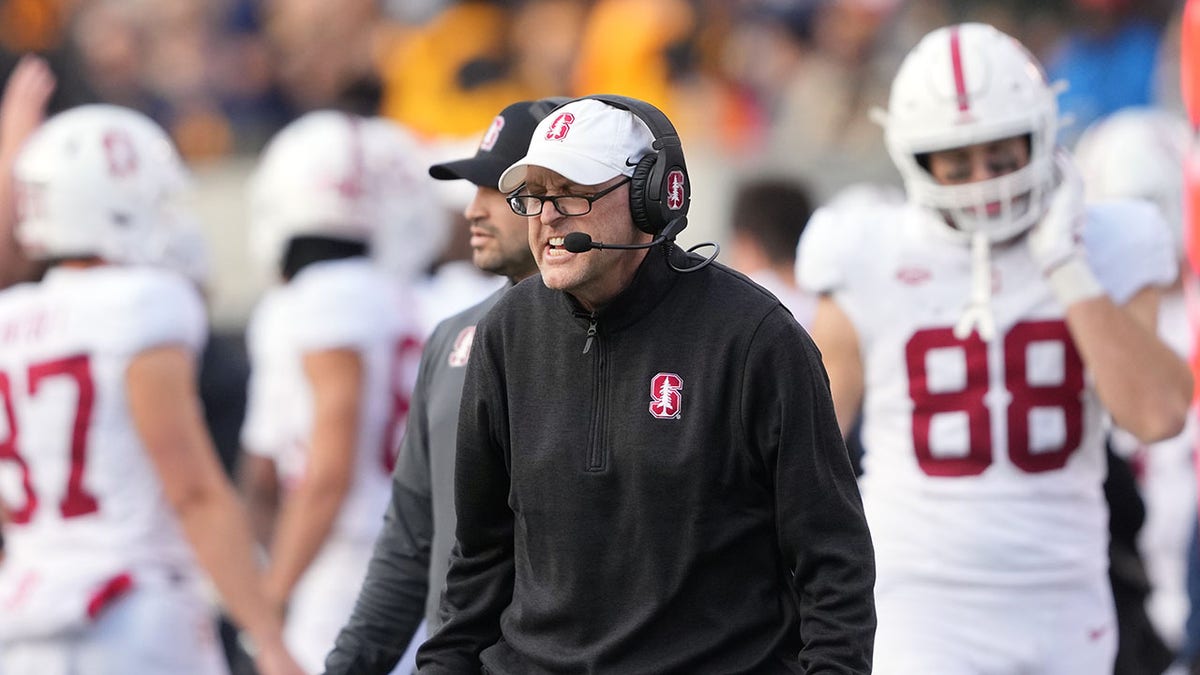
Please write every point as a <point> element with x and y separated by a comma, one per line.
<point>1073,281</point>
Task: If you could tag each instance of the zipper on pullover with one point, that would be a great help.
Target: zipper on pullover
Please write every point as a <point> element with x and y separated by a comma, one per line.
<point>591,334</point>
<point>595,458</point>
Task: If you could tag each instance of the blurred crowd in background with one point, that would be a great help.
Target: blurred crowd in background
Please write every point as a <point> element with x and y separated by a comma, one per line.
<point>780,87</point>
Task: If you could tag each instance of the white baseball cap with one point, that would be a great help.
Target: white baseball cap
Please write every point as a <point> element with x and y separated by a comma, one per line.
<point>585,141</point>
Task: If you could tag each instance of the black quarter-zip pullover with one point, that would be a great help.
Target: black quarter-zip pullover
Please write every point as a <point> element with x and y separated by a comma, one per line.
<point>656,487</point>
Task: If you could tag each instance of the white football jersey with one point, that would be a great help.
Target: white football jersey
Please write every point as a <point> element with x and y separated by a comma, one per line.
<point>331,305</point>
<point>984,461</point>
<point>84,501</point>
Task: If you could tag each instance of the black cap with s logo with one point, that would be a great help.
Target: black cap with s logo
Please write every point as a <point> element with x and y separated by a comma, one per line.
<point>504,143</point>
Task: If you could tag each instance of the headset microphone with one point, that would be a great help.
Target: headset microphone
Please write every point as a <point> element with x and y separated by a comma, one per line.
<point>580,242</point>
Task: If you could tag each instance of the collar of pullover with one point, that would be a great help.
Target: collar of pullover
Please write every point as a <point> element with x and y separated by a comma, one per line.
<point>651,283</point>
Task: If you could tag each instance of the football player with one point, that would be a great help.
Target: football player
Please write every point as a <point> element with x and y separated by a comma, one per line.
<point>985,327</point>
<point>116,503</point>
<point>1138,153</point>
<point>334,350</point>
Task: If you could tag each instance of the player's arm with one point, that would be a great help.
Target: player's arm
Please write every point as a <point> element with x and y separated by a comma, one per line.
<point>22,109</point>
<point>1143,383</point>
<point>335,377</point>
<point>259,484</point>
<point>166,412</point>
<point>391,603</point>
<point>1145,386</point>
<point>837,339</point>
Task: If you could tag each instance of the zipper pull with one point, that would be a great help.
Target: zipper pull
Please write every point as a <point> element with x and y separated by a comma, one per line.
<point>591,335</point>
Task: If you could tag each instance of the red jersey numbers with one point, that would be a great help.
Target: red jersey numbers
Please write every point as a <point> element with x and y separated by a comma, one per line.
<point>406,358</point>
<point>76,500</point>
<point>948,380</point>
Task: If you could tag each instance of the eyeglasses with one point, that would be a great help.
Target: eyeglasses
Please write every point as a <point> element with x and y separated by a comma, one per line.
<point>567,205</point>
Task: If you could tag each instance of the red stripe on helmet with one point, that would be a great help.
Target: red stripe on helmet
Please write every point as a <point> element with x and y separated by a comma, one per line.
<point>960,80</point>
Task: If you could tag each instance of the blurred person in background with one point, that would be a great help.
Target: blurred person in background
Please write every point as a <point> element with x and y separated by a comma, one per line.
<point>636,47</point>
<point>111,39</point>
<point>986,328</point>
<point>333,355</point>
<point>323,53</point>
<point>1109,55</point>
<point>114,501</point>
<point>768,216</point>
<point>453,283</point>
<point>1138,153</point>
<point>408,569</point>
<point>448,76</point>
<point>817,67</point>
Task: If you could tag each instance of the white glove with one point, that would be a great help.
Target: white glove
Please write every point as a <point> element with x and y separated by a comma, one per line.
<point>1056,241</point>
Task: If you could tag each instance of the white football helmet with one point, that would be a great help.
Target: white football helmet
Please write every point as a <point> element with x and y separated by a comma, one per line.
<point>967,84</point>
<point>1137,153</point>
<point>98,180</point>
<point>312,179</point>
<point>413,225</point>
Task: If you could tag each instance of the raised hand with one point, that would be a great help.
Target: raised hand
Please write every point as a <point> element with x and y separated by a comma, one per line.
<point>1058,237</point>
<point>23,106</point>
<point>1056,241</point>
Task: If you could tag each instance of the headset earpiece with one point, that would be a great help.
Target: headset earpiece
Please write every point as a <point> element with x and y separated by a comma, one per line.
<point>639,183</point>
<point>659,190</point>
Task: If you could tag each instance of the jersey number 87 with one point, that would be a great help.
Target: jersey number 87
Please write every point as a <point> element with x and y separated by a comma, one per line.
<point>76,500</point>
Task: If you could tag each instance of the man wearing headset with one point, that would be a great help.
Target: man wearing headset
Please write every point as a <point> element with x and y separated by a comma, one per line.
<point>650,476</point>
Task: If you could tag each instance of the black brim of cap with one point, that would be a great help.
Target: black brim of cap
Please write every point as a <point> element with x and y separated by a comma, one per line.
<point>482,170</point>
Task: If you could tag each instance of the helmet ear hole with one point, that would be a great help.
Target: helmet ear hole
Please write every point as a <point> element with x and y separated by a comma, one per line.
<point>645,216</point>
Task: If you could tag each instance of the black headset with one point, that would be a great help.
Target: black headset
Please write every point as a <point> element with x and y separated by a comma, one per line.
<point>659,190</point>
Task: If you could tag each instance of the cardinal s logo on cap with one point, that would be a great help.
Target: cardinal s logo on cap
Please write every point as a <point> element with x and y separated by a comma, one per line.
<point>559,127</point>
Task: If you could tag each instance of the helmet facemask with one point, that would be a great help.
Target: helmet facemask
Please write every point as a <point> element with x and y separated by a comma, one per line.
<point>1001,207</point>
<point>963,86</point>
<point>966,85</point>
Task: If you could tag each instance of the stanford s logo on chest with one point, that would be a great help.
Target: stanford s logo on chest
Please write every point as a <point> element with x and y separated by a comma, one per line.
<point>666,400</point>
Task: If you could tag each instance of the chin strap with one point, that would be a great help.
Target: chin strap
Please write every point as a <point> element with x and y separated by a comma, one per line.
<point>978,314</point>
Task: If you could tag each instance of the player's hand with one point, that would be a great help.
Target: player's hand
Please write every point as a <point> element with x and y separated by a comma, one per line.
<point>1058,237</point>
<point>274,659</point>
<point>23,106</point>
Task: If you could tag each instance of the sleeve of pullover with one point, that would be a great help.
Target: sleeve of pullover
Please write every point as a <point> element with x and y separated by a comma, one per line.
<point>822,531</point>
